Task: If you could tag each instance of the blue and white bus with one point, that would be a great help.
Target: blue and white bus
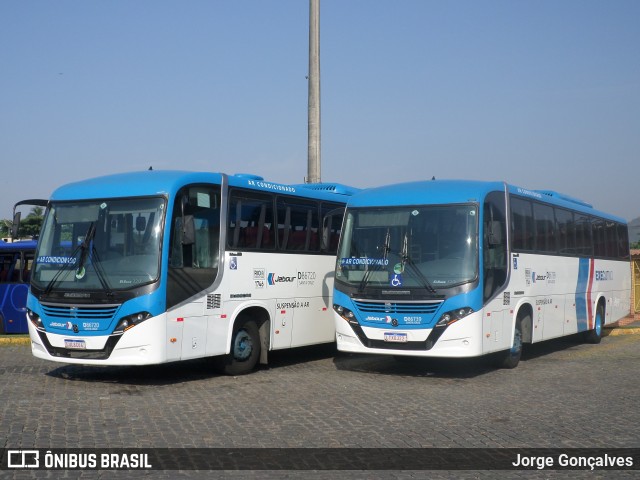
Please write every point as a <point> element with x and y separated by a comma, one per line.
<point>16,259</point>
<point>464,269</point>
<point>160,266</point>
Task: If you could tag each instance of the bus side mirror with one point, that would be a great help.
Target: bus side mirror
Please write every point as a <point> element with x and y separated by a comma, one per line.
<point>15,226</point>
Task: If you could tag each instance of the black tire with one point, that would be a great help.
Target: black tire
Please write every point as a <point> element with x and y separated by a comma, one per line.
<point>510,358</point>
<point>594,336</point>
<point>245,350</point>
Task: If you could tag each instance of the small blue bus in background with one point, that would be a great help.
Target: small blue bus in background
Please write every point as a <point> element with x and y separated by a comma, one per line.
<point>16,260</point>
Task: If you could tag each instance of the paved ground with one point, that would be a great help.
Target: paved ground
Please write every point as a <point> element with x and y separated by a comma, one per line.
<point>564,394</point>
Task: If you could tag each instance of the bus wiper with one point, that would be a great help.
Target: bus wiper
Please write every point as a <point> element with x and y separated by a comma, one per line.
<point>64,268</point>
<point>379,265</point>
<point>86,246</point>
<point>100,273</point>
<point>406,260</point>
<point>83,248</point>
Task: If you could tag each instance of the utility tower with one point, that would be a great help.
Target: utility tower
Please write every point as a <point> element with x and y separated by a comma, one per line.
<point>313,156</point>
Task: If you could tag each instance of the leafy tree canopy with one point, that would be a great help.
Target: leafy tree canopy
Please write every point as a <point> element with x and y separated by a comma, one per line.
<point>29,226</point>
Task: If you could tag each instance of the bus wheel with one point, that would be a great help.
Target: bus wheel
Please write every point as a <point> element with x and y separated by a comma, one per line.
<point>511,357</point>
<point>594,336</point>
<point>245,349</point>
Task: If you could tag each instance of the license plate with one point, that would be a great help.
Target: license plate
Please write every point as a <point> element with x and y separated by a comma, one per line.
<point>76,344</point>
<point>395,337</point>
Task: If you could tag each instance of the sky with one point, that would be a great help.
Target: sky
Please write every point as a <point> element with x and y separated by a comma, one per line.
<point>544,94</point>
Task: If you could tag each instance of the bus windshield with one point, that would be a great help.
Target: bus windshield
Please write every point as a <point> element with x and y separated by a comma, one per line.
<point>107,245</point>
<point>417,247</point>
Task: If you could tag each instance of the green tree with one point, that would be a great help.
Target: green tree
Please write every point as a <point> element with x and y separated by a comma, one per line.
<point>5,228</point>
<point>29,226</point>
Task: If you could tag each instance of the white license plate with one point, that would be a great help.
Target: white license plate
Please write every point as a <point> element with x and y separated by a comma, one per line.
<point>395,337</point>
<point>76,344</point>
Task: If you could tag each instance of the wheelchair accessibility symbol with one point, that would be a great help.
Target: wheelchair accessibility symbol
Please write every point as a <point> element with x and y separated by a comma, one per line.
<point>396,280</point>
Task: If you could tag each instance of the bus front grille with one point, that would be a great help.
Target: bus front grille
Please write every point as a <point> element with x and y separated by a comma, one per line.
<point>406,308</point>
<point>80,312</point>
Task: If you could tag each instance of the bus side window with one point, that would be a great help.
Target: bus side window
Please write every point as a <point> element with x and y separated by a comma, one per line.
<point>494,244</point>
<point>250,221</point>
<point>28,263</point>
<point>5,264</point>
<point>194,240</point>
<point>332,216</point>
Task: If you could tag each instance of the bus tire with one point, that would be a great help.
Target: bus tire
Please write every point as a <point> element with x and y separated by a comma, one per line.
<point>595,335</point>
<point>245,349</point>
<point>510,358</point>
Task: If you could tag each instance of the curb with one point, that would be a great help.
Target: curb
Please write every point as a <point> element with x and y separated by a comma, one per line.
<point>622,331</point>
<point>15,340</point>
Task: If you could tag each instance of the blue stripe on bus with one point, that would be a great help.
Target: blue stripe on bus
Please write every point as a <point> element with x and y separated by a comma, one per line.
<point>581,294</point>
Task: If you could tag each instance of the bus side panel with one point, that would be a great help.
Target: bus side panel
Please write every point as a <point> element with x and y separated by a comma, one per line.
<point>295,288</point>
<point>496,327</point>
<point>186,327</point>
<point>612,279</point>
<point>563,292</point>
<point>13,298</point>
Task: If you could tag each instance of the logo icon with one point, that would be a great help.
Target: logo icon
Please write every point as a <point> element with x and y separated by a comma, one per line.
<point>23,459</point>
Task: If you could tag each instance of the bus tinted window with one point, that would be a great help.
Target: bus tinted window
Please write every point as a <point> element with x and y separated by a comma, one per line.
<point>599,238</point>
<point>545,228</point>
<point>521,224</point>
<point>297,225</point>
<point>623,242</point>
<point>611,234</point>
<point>250,221</point>
<point>542,228</point>
<point>565,232</point>
<point>583,234</point>
<point>332,215</point>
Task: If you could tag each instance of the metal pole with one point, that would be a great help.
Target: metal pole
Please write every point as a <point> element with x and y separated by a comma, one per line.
<point>313,162</point>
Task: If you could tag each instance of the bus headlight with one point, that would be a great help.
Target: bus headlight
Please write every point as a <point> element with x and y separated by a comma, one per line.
<point>453,316</point>
<point>345,313</point>
<point>131,321</point>
<point>35,319</point>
